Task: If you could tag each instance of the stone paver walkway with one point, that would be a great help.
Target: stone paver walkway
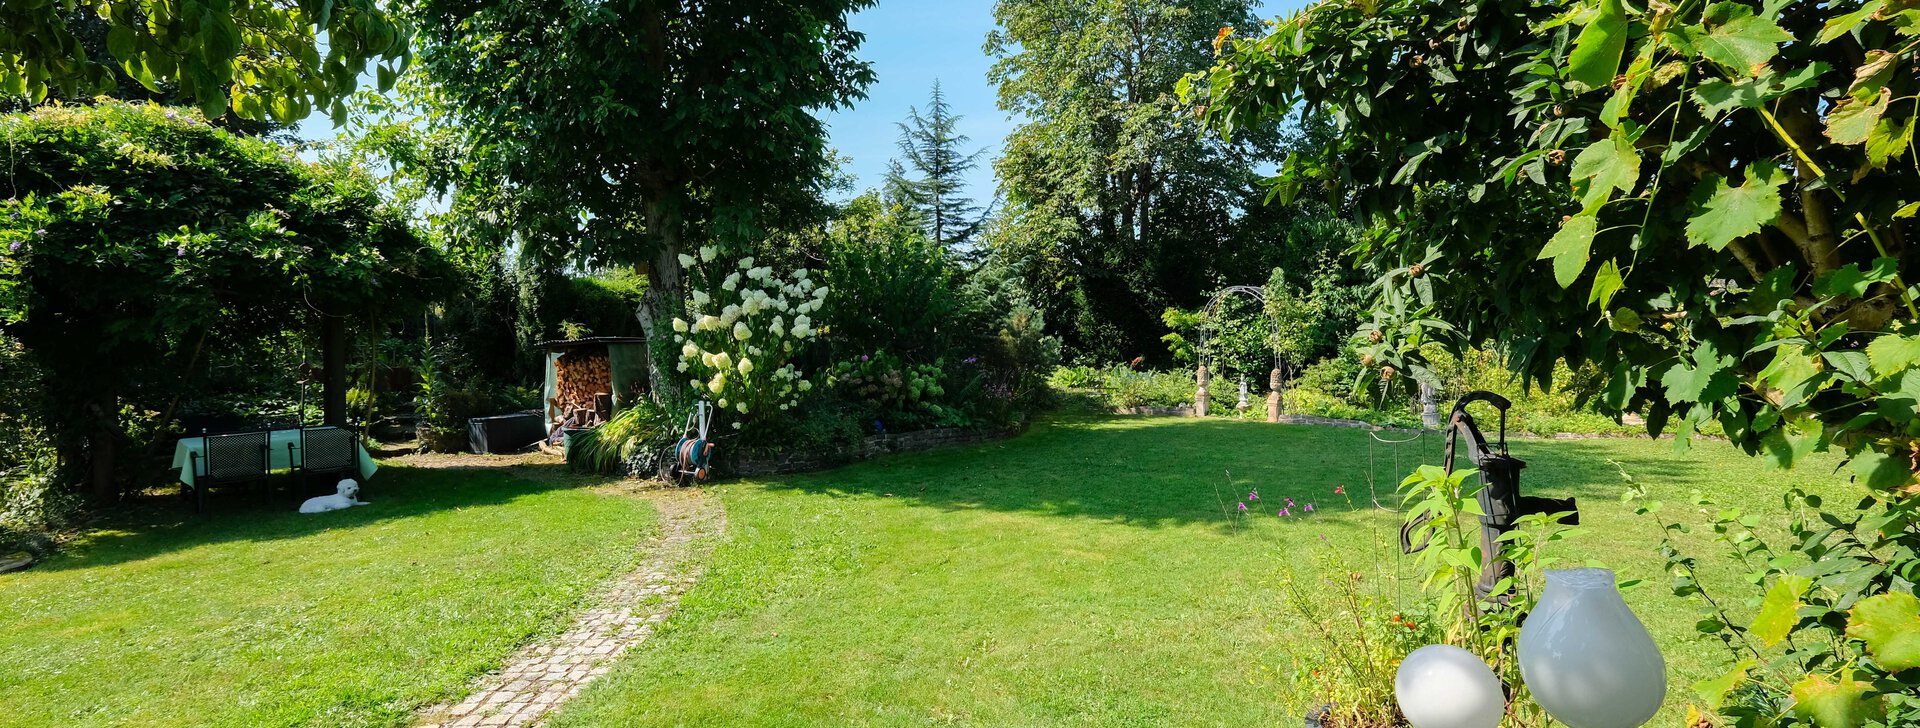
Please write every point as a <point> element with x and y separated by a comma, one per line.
<point>546,674</point>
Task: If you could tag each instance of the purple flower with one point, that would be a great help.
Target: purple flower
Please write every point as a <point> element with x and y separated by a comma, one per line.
<point>42,232</point>
<point>1289,502</point>
<point>971,360</point>
<point>1284,513</point>
<point>180,252</point>
<point>863,357</point>
<point>1243,506</point>
<point>1253,495</point>
<point>13,248</point>
<point>1309,507</point>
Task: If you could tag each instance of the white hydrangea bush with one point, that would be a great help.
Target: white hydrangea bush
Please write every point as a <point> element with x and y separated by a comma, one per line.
<point>744,325</point>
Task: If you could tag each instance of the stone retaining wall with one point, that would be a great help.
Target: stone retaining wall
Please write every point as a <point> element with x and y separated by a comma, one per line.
<point>751,465</point>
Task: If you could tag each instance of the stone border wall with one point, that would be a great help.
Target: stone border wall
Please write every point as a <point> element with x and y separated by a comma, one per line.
<point>751,465</point>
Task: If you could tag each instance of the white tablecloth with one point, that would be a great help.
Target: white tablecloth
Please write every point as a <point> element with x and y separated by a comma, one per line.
<point>278,455</point>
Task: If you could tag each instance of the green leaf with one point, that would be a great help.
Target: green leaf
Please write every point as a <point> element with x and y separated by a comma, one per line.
<point>1888,141</point>
<point>1569,248</point>
<point>1851,281</point>
<point>1781,609</point>
<point>1716,97</point>
<point>1596,53</point>
<point>1734,37</point>
<point>1604,166</point>
<point>1847,703</point>
<point>121,42</point>
<point>1889,624</point>
<point>1845,24</point>
<point>1879,471</point>
<point>1851,363</point>
<point>1714,692</point>
<point>1703,380</point>
<point>1606,283</point>
<point>1724,214</point>
<point>1891,354</point>
<point>1852,120</point>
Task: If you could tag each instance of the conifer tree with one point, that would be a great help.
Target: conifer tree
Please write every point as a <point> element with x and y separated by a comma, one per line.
<point>930,183</point>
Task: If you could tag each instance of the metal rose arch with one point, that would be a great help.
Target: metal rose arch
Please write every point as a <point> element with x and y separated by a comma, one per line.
<point>1202,397</point>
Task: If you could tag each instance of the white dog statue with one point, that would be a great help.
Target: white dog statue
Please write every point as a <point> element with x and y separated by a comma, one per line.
<point>345,496</point>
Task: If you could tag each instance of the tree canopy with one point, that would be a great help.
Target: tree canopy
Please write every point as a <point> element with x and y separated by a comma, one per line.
<point>610,134</point>
<point>130,231</point>
<point>278,59</point>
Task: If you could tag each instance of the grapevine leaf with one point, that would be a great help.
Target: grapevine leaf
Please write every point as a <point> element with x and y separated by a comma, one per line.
<point>1891,354</point>
<point>1889,624</point>
<point>1596,53</point>
<point>1714,691</point>
<point>1888,140</point>
<point>1724,214</point>
<point>1851,281</point>
<point>1734,37</point>
<point>1879,471</point>
<point>1569,248</point>
<point>1606,283</point>
<point>1847,703</point>
<point>1780,610</point>
<point>1852,120</point>
<point>1703,380</point>
<point>1845,24</point>
<point>1604,166</point>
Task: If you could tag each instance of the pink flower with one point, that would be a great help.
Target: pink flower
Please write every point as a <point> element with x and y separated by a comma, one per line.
<point>1284,513</point>
<point>1243,506</point>
<point>1339,490</point>
<point>1253,495</point>
<point>1309,507</point>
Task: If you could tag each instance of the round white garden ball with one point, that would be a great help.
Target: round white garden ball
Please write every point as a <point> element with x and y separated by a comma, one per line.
<point>1442,686</point>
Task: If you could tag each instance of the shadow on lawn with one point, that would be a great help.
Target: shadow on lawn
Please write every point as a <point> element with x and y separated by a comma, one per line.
<point>1154,472</point>
<point>152,525</point>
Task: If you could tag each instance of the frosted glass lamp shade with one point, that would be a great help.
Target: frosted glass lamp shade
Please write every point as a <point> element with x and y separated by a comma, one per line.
<point>1585,656</point>
<point>1442,686</point>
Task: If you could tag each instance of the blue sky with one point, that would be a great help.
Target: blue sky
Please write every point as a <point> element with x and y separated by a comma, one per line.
<point>911,43</point>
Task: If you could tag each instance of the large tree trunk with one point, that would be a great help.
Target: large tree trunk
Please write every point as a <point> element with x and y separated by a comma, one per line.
<point>664,298</point>
<point>103,445</point>
<point>333,368</point>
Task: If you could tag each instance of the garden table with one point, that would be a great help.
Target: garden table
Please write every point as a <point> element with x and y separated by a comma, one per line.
<point>279,456</point>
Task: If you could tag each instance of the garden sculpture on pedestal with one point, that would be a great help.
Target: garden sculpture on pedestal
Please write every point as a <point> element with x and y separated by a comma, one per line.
<point>1201,395</point>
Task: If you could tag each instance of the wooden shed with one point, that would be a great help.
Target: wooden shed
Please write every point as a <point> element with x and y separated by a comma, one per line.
<point>593,377</point>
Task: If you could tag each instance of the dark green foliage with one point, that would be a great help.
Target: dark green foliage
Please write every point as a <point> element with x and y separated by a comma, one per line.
<point>140,243</point>
<point>261,59</point>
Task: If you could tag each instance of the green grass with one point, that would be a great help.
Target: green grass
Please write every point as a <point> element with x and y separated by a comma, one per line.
<point>1083,574</point>
<point>258,618</point>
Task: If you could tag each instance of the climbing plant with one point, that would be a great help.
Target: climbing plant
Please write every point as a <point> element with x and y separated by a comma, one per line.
<point>1709,201</point>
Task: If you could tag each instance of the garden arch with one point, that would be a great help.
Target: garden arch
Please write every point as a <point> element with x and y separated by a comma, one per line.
<point>1202,397</point>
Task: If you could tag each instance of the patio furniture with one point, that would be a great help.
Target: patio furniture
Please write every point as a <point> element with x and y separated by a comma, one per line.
<point>283,453</point>
<point>328,451</point>
<point>228,459</point>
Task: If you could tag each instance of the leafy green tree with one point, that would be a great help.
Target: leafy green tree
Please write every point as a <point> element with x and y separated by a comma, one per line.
<point>259,59</point>
<point>628,134</point>
<point>1710,202</point>
<point>931,183</point>
<point>1119,207</point>
<point>136,236</point>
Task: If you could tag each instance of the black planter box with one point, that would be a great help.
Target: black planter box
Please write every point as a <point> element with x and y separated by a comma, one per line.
<point>505,433</point>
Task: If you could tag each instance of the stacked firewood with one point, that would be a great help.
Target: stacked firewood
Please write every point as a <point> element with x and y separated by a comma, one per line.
<point>580,380</point>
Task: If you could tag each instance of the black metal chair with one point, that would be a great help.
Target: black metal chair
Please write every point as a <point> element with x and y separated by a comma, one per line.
<point>328,451</point>
<point>227,460</point>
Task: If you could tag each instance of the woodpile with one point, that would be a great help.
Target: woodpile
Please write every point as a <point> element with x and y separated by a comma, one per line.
<point>582,385</point>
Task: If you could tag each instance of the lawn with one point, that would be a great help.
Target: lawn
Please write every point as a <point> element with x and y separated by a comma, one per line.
<point>258,618</point>
<point>1083,574</point>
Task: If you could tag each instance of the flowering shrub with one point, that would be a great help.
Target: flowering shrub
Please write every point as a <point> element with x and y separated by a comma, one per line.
<point>747,325</point>
<point>884,381</point>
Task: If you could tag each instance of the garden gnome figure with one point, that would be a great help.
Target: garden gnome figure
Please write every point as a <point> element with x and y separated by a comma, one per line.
<point>1242,406</point>
<point>1273,395</point>
<point>1200,395</point>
